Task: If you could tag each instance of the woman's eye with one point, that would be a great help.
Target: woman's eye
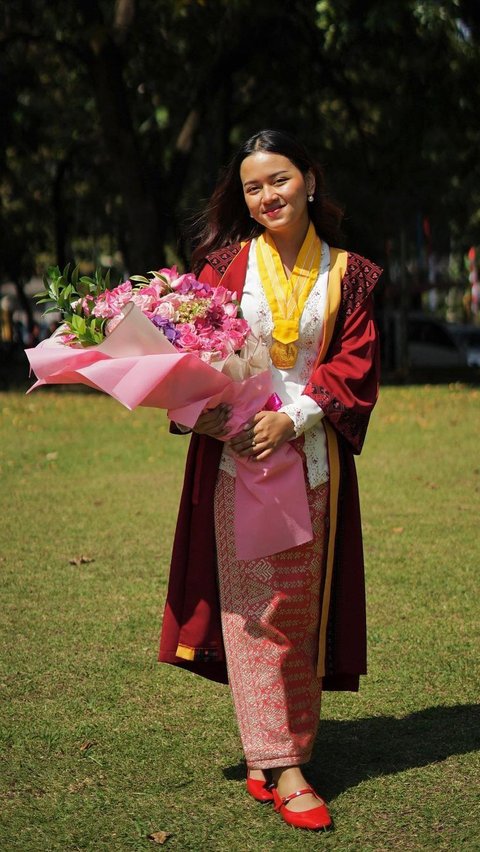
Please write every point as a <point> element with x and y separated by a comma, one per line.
<point>253,190</point>
<point>280,180</point>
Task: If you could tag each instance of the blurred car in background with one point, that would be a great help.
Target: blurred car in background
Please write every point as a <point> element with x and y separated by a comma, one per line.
<point>432,343</point>
<point>468,337</point>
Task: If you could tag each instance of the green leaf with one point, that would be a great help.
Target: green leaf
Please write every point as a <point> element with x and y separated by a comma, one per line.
<point>78,324</point>
<point>53,272</point>
<point>82,289</point>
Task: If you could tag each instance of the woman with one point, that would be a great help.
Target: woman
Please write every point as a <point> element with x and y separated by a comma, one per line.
<point>293,623</point>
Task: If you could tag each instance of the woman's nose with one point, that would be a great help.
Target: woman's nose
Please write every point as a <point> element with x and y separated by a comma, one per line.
<point>269,193</point>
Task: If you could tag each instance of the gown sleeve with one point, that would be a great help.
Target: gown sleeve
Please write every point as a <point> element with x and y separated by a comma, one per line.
<point>305,413</point>
<point>208,275</point>
<point>345,385</point>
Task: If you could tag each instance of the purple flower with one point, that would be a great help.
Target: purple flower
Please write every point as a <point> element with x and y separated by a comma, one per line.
<point>189,284</point>
<point>167,327</point>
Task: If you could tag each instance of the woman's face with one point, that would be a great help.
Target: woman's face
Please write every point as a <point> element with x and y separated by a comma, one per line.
<point>276,192</point>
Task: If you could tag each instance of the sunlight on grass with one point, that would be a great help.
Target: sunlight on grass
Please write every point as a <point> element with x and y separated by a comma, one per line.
<point>101,745</point>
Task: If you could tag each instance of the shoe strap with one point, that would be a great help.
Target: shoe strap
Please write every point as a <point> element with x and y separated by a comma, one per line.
<point>302,792</point>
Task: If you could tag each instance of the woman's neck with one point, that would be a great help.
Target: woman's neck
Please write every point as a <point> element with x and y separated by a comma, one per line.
<point>289,244</point>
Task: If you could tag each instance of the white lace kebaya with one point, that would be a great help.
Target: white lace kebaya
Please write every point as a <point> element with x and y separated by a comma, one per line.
<point>289,384</point>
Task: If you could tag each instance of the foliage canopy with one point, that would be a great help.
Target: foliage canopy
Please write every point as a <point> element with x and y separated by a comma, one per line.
<point>118,116</point>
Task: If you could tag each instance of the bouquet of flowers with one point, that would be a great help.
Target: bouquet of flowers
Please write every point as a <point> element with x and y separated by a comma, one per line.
<point>170,341</point>
<point>193,316</point>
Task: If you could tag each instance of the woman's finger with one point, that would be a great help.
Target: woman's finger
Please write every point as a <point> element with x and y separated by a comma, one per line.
<point>243,439</point>
<point>269,431</point>
<point>248,445</point>
<point>213,421</point>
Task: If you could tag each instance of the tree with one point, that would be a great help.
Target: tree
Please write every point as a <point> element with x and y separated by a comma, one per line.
<point>119,115</point>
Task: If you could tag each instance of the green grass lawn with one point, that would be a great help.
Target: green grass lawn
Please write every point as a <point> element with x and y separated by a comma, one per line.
<point>100,745</point>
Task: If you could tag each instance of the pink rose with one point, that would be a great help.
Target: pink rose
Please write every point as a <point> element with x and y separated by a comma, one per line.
<point>111,302</point>
<point>204,326</point>
<point>145,300</point>
<point>221,295</point>
<point>242,326</point>
<point>122,293</point>
<point>105,309</point>
<point>230,309</point>
<point>188,338</point>
<point>173,299</point>
<point>165,310</point>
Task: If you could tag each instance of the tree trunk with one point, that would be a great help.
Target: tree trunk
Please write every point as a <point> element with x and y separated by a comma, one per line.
<point>60,220</point>
<point>144,231</point>
<point>25,303</point>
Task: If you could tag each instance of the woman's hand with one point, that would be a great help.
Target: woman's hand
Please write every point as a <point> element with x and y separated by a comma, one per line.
<point>267,431</point>
<point>213,421</point>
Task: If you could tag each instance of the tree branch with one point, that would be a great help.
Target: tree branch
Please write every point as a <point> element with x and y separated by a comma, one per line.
<point>123,16</point>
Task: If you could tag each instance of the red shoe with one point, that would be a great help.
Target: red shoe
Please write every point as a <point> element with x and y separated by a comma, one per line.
<point>261,791</point>
<point>314,819</point>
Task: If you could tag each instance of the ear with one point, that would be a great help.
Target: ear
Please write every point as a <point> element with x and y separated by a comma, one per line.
<point>310,182</point>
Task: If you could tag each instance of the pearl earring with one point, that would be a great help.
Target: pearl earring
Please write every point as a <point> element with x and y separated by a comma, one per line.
<point>310,198</point>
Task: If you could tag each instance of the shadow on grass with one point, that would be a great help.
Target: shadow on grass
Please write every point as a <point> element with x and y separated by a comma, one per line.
<point>349,752</point>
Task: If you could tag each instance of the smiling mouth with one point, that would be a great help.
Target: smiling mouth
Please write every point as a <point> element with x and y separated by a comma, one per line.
<point>273,210</point>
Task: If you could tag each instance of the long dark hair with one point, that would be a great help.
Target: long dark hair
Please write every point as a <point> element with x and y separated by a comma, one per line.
<point>226,218</point>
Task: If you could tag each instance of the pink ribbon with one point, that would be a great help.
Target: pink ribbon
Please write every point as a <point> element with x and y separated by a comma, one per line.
<point>137,365</point>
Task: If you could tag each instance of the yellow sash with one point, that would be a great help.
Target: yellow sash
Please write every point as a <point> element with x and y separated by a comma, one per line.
<point>338,265</point>
<point>287,296</point>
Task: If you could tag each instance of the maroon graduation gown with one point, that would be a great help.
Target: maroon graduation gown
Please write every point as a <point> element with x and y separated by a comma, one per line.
<point>345,385</point>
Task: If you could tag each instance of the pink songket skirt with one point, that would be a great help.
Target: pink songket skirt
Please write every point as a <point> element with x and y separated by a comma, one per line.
<point>270,619</point>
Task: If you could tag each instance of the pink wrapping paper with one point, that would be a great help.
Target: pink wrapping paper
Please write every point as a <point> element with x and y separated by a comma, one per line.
<point>137,365</point>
